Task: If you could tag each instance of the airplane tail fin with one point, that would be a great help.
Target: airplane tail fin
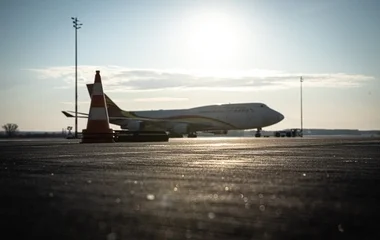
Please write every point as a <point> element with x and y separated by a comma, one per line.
<point>113,109</point>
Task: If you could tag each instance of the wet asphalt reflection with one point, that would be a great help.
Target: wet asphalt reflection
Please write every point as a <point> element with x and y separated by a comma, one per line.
<point>210,188</point>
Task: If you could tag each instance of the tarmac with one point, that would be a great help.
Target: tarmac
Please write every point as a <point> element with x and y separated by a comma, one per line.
<point>204,188</point>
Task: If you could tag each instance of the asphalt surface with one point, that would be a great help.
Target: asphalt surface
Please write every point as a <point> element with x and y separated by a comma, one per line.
<point>210,188</point>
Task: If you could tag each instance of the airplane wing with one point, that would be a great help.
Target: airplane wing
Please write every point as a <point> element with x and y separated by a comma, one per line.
<point>163,123</point>
<point>85,115</point>
<point>151,121</point>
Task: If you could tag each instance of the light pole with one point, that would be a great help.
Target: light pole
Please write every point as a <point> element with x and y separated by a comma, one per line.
<point>301,80</point>
<point>76,26</point>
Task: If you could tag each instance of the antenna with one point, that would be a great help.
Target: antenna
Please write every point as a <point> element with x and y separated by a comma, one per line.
<point>76,26</point>
<point>301,80</point>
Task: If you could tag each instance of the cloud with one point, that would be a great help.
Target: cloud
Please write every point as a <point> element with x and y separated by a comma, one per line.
<point>121,79</point>
<point>160,99</point>
<point>72,103</point>
<point>89,101</point>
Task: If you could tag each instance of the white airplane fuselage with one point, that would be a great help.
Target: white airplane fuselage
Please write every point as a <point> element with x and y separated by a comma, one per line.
<point>213,117</point>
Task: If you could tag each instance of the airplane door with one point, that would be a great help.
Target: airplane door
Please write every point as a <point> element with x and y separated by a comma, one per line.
<point>249,116</point>
<point>228,115</point>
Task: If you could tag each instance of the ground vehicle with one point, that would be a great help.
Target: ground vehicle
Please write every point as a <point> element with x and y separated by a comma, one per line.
<point>293,132</point>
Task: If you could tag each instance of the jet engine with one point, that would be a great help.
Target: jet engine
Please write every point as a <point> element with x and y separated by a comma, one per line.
<point>219,132</point>
<point>180,128</point>
<point>134,125</point>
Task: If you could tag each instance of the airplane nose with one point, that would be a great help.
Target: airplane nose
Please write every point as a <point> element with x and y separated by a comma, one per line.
<point>280,117</point>
<point>275,117</point>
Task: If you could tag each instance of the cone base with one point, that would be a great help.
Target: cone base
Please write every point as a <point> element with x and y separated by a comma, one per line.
<point>91,137</point>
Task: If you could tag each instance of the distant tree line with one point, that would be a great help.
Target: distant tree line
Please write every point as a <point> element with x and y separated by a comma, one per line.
<point>11,130</point>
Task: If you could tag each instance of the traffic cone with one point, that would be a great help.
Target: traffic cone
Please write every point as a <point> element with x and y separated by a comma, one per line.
<point>98,130</point>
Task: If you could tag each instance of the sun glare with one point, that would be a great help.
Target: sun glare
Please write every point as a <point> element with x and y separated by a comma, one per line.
<point>213,39</point>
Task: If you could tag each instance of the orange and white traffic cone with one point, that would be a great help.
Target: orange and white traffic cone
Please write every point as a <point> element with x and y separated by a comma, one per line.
<point>98,130</point>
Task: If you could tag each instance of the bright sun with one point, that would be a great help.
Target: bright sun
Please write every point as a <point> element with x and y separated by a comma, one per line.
<point>213,40</point>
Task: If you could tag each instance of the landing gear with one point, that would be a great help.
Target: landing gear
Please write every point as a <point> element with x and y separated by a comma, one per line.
<point>258,133</point>
<point>192,135</point>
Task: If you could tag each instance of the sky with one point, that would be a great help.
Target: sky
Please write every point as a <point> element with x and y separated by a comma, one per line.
<point>170,54</point>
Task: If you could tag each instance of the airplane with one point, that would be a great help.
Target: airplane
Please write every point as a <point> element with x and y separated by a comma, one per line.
<point>216,119</point>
